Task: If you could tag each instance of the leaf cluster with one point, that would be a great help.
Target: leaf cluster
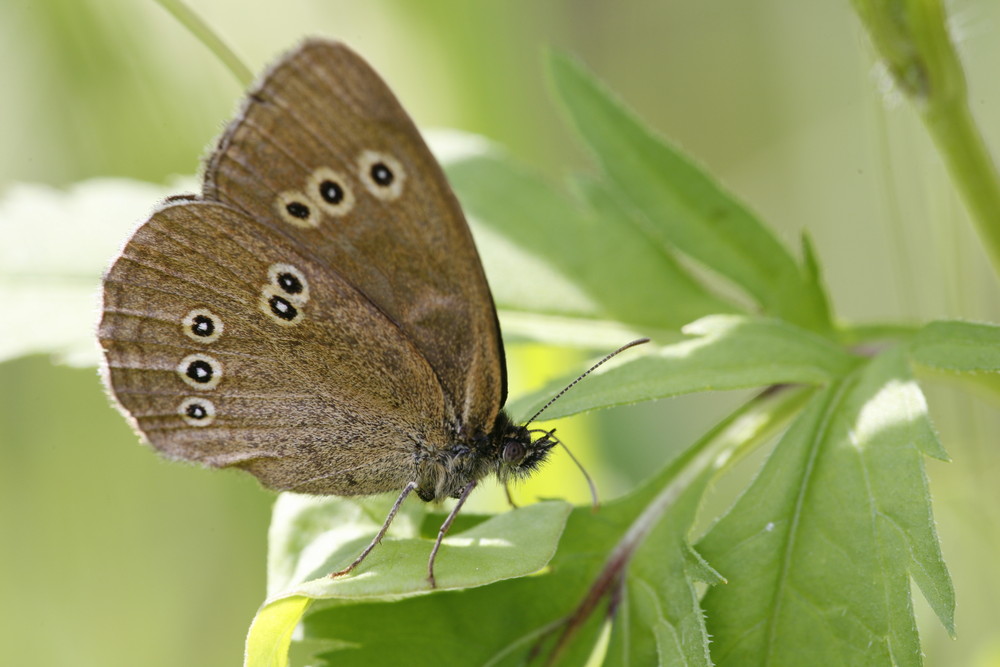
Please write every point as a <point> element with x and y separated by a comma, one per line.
<point>812,564</point>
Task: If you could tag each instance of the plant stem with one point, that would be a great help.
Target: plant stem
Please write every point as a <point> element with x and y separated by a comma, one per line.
<point>972,169</point>
<point>912,39</point>
<point>204,34</point>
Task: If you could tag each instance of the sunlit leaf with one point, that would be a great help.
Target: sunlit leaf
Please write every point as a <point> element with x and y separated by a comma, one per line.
<point>724,352</point>
<point>312,537</point>
<point>271,631</point>
<point>819,550</point>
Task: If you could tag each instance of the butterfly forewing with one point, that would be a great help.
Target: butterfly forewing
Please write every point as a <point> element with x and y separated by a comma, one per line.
<point>324,156</point>
<point>232,347</point>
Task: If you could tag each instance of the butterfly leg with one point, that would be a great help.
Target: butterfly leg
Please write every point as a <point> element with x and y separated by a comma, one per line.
<point>444,531</point>
<point>381,533</point>
<point>510,497</point>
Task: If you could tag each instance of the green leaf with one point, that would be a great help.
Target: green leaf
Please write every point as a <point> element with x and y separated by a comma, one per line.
<point>818,550</point>
<point>660,620</point>
<point>316,536</point>
<point>683,206</point>
<point>271,631</point>
<point>958,346</point>
<point>589,249</point>
<point>817,302</point>
<point>313,536</point>
<point>497,624</point>
<point>725,352</point>
<point>514,270</point>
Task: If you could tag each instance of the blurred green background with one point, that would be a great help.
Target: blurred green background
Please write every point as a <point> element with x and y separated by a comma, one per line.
<point>111,556</point>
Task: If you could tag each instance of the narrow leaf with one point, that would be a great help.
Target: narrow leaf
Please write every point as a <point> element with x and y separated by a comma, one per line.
<point>590,249</point>
<point>725,352</point>
<point>683,206</point>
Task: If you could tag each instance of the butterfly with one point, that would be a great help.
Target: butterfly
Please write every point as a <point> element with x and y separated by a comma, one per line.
<point>319,316</point>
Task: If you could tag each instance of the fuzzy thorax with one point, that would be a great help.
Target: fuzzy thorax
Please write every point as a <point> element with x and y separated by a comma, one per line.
<point>507,451</point>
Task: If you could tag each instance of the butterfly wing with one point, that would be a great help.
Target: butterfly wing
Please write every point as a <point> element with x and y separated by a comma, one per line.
<point>324,157</point>
<point>231,345</point>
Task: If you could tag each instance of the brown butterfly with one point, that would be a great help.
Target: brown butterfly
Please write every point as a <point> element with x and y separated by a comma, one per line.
<point>318,317</point>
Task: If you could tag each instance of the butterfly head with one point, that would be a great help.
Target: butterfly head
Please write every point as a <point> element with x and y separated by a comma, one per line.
<point>518,452</point>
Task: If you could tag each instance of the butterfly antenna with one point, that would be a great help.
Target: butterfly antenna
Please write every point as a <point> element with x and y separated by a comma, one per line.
<point>595,502</point>
<point>590,370</point>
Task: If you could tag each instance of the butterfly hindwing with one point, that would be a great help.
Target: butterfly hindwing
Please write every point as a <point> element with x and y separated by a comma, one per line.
<point>232,347</point>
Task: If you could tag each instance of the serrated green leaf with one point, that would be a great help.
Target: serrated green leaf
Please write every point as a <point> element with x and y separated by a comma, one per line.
<point>818,550</point>
<point>701,570</point>
<point>661,621</point>
<point>640,610</point>
<point>958,346</point>
<point>725,352</point>
<point>308,532</point>
<point>683,206</point>
<point>588,248</point>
